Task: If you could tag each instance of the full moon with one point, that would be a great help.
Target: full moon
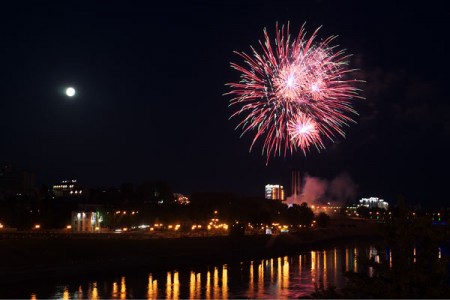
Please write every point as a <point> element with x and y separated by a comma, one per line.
<point>70,91</point>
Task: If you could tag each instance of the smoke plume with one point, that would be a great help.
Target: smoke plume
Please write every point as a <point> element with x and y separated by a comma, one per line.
<point>318,191</point>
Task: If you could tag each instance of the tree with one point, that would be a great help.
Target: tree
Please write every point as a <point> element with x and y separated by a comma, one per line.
<point>322,220</point>
<point>300,215</point>
<point>414,268</point>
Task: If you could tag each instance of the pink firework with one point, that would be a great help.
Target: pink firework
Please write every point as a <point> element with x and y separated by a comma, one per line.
<point>290,84</point>
<point>304,132</point>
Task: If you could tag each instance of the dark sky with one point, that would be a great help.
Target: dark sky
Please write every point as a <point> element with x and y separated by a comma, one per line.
<point>150,80</point>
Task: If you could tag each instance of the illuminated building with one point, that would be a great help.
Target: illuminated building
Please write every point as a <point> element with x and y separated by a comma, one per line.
<point>274,192</point>
<point>68,188</point>
<point>181,199</point>
<point>374,202</point>
<point>86,221</point>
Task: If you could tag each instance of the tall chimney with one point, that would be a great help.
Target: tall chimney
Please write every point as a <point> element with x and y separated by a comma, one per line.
<point>296,184</point>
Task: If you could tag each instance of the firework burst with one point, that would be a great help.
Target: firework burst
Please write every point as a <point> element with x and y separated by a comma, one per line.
<point>293,93</point>
<point>304,132</point>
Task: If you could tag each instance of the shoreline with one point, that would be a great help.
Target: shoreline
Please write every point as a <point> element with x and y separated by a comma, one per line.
<point>39,259</point>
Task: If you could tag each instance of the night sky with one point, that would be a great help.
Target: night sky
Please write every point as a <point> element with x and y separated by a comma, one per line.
<point>150,78</point>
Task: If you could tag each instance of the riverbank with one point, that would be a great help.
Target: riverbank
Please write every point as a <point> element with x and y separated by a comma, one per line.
<point>28,258</point>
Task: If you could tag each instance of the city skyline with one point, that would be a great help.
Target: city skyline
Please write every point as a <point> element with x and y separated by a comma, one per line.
<point>149,104</point>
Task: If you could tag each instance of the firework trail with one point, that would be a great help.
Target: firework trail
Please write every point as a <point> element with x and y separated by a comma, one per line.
<point>293,93</point>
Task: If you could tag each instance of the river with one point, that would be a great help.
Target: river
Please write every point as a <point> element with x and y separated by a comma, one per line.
<point>290,276</point>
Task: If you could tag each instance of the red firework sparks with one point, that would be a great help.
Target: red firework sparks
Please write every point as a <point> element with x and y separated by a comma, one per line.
<point>304,132</point>
<point>289,85</point>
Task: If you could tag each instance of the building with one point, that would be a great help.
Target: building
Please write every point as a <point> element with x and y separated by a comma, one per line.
<point>68,188</point>
<point>374,202</point>
<point>274,192</point>
<point>154,192</point>
<point>14,182</point>
<point>86,221</point>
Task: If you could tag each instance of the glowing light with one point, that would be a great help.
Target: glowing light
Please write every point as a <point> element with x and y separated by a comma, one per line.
<point>123,288</point>
<point>70,91</point>
<point>294,93</point>
<point>304,133</point>
<point>94,294</point>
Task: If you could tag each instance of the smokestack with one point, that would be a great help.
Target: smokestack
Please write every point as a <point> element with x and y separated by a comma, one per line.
<point>296,187</point>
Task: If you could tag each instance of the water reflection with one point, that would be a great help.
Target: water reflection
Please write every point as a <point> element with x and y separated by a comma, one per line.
<point>66,294</point>
<point>123,288</point>
<point>279,277</point>
<point>92,292</point>
<point>208,285</point>
<point>115,290</point>
<point>216,283</point>
<point>152,288</point>
<point>224,282</point>
<point>79,293</point>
